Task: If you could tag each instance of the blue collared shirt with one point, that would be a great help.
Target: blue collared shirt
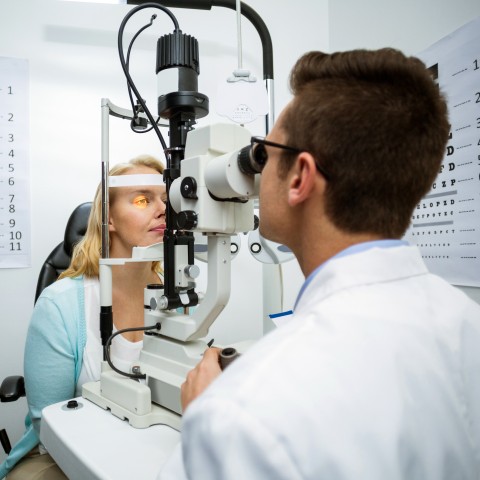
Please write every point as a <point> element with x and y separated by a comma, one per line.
<point>357,248</point>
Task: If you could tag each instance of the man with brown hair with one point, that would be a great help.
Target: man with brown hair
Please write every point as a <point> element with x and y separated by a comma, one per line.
<point>376,375</point>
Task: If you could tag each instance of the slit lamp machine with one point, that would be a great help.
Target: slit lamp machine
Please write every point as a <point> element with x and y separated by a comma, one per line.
<point>211,181</point>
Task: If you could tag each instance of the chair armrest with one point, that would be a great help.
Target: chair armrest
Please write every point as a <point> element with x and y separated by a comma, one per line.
<point>12,388</point>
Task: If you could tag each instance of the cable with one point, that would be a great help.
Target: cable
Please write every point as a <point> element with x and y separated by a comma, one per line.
<point>148,25</point>
<point>134,109</point>
<point>132,126</point>
<point>124,64</point>
<point>136,376</point>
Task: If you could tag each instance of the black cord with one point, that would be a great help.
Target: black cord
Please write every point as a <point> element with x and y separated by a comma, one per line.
<point>136,376</point>
<point>135,116</point>
<point>125,66</point>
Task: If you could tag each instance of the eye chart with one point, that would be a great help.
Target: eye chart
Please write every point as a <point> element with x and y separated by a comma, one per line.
<point>14,164</point>
<point>446,223</point>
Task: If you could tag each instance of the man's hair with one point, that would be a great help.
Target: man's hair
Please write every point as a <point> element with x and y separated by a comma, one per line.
<point>86,254</point>
<point>377,122</point>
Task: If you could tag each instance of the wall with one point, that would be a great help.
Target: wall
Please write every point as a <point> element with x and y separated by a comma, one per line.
<point>71,48</point>
<point>408,25</point>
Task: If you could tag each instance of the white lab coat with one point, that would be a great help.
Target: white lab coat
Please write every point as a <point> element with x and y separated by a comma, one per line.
<point>376,376</point>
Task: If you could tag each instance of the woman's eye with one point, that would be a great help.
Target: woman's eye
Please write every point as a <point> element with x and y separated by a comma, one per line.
<point>140,202</point>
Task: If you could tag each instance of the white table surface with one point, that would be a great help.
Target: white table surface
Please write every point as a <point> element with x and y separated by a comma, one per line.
<point>91,443</point>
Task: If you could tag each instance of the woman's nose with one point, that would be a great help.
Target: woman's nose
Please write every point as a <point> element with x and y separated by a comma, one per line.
<point>160,207</point>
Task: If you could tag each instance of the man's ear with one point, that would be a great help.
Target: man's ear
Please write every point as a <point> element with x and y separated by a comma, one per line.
<point>303,180</point>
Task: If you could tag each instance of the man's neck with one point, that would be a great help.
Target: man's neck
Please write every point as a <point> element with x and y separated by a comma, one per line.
<point>316,248</point>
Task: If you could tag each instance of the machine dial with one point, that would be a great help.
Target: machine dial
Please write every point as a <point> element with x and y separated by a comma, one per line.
<point>187,220</point>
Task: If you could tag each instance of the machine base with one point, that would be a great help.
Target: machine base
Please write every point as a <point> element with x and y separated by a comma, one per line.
<point>155,415</point>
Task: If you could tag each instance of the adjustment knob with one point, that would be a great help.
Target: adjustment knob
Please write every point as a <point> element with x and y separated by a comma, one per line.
<point>72,404</point>
<point>188,188</point>
<point>153,303</point>
<point>192,271</point>
<point>187,220</point>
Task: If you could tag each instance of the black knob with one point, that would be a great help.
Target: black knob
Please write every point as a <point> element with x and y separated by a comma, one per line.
<point>187,220</point>
<point>227,356</point>
<point>72,404</point>
<point>188,188</point>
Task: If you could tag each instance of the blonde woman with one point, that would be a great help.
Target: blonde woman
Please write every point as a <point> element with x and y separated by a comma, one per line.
<point>63,348</point>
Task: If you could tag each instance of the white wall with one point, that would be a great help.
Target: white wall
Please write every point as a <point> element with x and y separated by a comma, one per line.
<point>74,62</point>
<point>409,25</point>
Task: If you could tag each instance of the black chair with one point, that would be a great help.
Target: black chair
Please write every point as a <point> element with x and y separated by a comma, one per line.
<point>13,387</point>
<point>59,258</point>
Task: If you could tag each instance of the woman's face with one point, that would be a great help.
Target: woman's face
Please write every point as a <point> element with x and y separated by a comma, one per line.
<point>137,215</point>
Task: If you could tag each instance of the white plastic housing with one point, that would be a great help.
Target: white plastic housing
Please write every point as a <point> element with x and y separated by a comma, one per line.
<point>211,159</point>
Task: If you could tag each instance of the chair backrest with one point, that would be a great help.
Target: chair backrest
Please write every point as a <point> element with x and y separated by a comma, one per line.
<point>59,258</point>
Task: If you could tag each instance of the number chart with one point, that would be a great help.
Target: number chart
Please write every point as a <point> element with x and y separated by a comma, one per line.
<point>446,223</point>
<point>14,164</point>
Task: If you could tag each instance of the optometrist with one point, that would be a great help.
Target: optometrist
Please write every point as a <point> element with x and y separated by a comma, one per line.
<point>376,375</point>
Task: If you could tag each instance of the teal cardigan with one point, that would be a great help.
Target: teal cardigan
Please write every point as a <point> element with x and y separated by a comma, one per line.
<point>53,358</point>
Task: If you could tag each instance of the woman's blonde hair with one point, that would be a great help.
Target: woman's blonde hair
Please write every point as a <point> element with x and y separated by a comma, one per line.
<point>86,254</point>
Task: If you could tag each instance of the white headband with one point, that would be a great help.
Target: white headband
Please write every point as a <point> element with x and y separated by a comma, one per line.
<point>134,180</point>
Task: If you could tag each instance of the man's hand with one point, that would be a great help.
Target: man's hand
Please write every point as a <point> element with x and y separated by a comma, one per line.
<point>201,376</point>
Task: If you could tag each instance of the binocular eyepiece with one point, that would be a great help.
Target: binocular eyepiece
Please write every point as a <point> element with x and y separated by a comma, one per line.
<point>249,161</point>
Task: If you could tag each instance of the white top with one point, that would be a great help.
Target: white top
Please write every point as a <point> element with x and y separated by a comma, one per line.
<point>376,376</point>
<point>122,352</point>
